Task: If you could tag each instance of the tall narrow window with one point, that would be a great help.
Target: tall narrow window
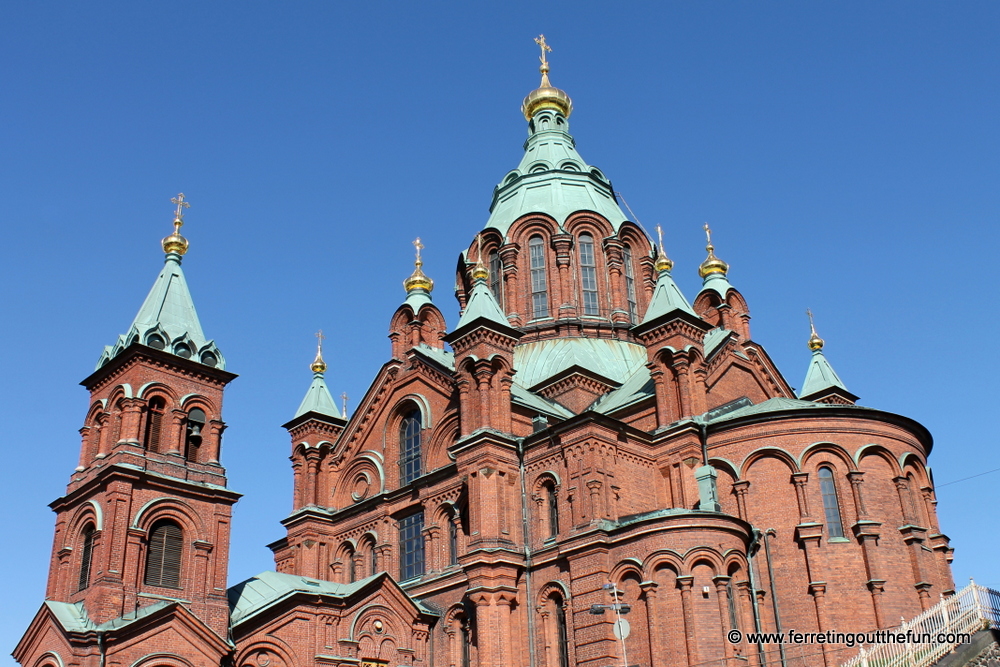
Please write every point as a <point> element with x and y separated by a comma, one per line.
<point>352,567</point>
<point>453,541</point>
<point>466,633</point>
<point>539,291</point>
<point>154,423</point>
<point>496,271</point>
<point>374,557</point>
<point>831,507</point>
<point>192,439</point>
<point>86,556</point>
<point>588,275</point>
<point>630,284</point>
<point>163,556</point>
<point>562,633</point>
<point>411,546</point>
<point>552,507</point>
<point>409,448</point>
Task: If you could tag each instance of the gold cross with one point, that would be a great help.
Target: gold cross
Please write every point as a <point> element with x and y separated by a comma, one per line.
<point>419,246</point>
<point>181,205</point>
<point>659,233</point>
<point>812,325</point>
<point>708,234</point>
<point>344,398</point>
<point>319,345</point>
<point>540,40</point>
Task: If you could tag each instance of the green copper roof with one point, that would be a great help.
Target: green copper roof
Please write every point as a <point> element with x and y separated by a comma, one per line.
<point>168,321</point>
<point>268,588</point>
<point>482,304</point>
<point>820,376</point>
<point>667,298</point>
<point>610,358</point>
<point>417,298</point>
<point>718,283</point>
<point>318,399</point>
<point>552,178</point>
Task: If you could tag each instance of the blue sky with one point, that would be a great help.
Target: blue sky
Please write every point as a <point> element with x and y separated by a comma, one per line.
<point>846,155</point>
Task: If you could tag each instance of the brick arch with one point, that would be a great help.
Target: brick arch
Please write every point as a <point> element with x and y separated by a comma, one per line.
<point>704,555</point>
<point>158,387</point>
<point>170,508</point>
<point>881,452</point>
<point>191,401</point>
<point>541,479</point>
<point>768,452</point>
<point>625,568</point>
<point>444,434</point>
<point>273,645</point>
<point>382,612</point>
<point>582,222</point>
<point>665,559</point>
<point>162,660</point>
<point>910,460</point>
<point>363,478</point>
<point>49,659</point>
<point>817,449</point>
<point>529,225</point>
<point>550,587</point>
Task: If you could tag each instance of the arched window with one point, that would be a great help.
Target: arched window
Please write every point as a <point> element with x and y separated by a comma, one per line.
<point>453,540</point>
<point>86,555</point>
<point>374,559</point>
<point>154,424</point>
<point>630,283</point>
<point>834,526</point>
<point>539,291</point>
<point>192,439</point>
<point>409,448</point>
<point>496,270</point>
<point>466,639</point>
<point>588,275</point>
<point>351,565</point>
<point>552,508</point>
<point>163,555</point>
<point>562,633</point>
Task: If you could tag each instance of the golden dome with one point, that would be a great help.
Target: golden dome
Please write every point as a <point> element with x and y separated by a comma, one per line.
<point>546,96</point>
<point>175,242</point>
<point>417,279</point>
<point>480,272</point>
<point>815,342</point>
<point>318,365</point>
<point>662,263</point>
<point>712,264</point>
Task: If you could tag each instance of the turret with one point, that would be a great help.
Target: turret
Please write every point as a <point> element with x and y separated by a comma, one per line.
<point>822,384</point>
<point>417,321</point>
<point>718,301</point>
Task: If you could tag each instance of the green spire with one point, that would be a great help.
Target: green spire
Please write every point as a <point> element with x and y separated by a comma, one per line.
<point>552,178</point>
<point>820,376</point>
<point>482,303</point>
<point>318,398</point>
<point>667,297</point>
<point>167,319</point>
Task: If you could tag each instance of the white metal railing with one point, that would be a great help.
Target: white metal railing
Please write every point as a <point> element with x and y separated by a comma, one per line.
<point>968,611</point>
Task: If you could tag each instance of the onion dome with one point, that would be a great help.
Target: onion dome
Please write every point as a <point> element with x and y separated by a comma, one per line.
<point>546,96</point>
<point>712,264</point>
<point>662,263</point>
<point>417,279</point>
<point>815,342</point>
<point>176,243</point>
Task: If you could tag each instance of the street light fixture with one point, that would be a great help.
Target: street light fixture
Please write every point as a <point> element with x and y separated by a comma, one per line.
<point>619,607</point>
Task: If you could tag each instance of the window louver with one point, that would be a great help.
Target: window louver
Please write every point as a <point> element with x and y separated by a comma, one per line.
<point>86,557</point>
<point>163,558</point>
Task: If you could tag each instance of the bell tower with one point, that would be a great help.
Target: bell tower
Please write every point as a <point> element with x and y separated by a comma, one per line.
<point>143,527</point>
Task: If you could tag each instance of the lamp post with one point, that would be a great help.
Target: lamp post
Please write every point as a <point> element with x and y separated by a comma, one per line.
<point>619,607</point>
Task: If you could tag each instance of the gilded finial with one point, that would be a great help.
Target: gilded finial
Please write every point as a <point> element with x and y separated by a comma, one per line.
<point>175,243</point>
<point>343,398</point>
<point>815,342</point>
<point>318,365</point>
<point>479,271</point>
<point>417,279</point>
<point>712,264</point>
<point>663,263</point>
<point>546,96</point>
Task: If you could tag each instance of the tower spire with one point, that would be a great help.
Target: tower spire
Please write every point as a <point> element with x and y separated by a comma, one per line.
<point>822,384</point>
<point>175,243</point>
<point>318,398</point>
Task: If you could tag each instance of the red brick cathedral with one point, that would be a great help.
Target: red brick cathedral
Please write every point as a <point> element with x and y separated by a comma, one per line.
<point>584,441</point>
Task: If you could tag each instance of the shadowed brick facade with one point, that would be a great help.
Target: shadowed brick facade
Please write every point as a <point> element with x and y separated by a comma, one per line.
<point>582,425</point>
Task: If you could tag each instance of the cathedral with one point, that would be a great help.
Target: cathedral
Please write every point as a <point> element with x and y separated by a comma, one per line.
<point>587,468</point>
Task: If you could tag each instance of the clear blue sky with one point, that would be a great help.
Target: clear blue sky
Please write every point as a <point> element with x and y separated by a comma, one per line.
<point>846,154</point>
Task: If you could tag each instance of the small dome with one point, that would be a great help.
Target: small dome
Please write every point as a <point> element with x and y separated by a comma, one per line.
<point>712,264</point>
<point>176,243</point>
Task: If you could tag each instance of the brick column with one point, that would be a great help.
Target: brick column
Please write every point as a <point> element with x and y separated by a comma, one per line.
<point>690,641</point>
<point>745,609</point>
<point>740,488</point>
<point>657,651</point>
<point>564,308</point>
<point>818,590</point>
<point>799,479</point>
<point>513,302</point>
<point>856,478</point>
<point>722,597</point>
